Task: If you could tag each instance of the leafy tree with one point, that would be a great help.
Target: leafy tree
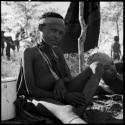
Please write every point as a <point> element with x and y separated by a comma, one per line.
<point>111,15</point>
<point>23,14</point>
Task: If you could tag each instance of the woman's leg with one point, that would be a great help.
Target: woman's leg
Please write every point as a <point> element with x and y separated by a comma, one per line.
<point>78,83</point>
<point>63,112</point>
<point>88,81</point>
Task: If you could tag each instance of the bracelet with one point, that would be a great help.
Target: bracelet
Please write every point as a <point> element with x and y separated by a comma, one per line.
<point>74,119</point>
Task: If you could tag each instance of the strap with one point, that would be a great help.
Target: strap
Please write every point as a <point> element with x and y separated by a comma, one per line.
<point>21,80</point>
<point>48,63</point>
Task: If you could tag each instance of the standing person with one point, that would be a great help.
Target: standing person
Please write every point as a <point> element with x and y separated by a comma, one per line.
<point>115,49</point>
<point>47,78</point>
<point>17,42</point>
<point>8,50</point>
<point>2,42</point>
<point>10,45</point>
<point>8,40</point>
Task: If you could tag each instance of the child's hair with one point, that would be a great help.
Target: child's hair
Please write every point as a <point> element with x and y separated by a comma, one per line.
<point>116,38</point>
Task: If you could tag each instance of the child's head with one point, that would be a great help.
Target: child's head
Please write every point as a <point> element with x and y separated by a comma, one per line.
<point>116,38</point>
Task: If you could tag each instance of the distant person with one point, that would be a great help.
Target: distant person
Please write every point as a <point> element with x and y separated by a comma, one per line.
<point>47,78</point>
<point>10,45</point>
<point>17,42</point>
<point>115,49</point>
<point>22,33</point>
<point>2,42</point>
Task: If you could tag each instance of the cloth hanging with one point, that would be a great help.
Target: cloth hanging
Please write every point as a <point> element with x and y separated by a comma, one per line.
<point>73,29</point>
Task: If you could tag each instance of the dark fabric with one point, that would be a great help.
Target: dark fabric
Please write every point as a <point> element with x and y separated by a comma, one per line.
<point>73,29</point>
<point>31,113</point>
<point>115,85</point>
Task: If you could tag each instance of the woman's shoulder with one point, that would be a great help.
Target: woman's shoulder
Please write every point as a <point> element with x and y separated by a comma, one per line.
<point>30,50</point>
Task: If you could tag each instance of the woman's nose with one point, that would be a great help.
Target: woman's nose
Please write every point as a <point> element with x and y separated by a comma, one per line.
<point>57,35</point>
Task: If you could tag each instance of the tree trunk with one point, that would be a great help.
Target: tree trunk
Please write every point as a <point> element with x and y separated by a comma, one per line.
<point>117,28</point>
<point>82,37</point>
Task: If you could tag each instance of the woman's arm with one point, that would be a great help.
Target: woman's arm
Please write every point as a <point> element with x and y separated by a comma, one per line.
<point>27,62</point>
<point>63,63</point>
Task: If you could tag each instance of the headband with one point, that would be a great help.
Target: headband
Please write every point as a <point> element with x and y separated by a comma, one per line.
<point>52,20</point>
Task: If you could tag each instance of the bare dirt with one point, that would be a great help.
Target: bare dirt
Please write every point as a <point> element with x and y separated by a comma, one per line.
<point>106,110</point>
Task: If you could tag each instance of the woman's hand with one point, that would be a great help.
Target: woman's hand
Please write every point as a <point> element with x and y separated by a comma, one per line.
<point>59,90</point>
<point>75,98</point>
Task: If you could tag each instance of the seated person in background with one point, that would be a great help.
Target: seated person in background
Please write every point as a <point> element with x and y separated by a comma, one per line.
<point>48,81</point>
<point>111,76</point>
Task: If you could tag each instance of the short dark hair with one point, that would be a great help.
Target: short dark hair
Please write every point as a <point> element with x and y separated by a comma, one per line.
<point>116,38</point>
<point>51,14</point>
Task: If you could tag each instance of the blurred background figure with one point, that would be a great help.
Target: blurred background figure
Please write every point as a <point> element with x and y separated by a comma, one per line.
<point>17,42</point>
<point>2,42</point>
<point>115,49</point>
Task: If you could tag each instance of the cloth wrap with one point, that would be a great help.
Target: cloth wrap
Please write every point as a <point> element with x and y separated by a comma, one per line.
<point>53,20</point>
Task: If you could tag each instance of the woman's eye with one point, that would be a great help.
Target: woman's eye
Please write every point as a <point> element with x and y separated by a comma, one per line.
<point>54,30</point>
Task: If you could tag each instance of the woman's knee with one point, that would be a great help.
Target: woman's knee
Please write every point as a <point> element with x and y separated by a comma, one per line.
<point>97,68</point>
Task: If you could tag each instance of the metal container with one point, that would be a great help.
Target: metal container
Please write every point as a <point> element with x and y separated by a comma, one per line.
<point>8,96</point>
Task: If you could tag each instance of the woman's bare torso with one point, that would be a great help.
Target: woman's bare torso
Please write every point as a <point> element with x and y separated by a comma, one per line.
<point>42,75</point>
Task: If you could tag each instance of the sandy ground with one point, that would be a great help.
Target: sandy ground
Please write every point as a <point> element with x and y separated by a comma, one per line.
<point>106,110</point>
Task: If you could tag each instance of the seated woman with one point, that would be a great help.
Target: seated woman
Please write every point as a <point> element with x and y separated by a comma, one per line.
<point>47,79</point>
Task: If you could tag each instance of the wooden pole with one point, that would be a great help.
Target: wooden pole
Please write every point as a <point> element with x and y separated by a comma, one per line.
<point>82,37</point>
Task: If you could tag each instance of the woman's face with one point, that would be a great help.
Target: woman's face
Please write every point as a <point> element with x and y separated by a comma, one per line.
<point>52,34</point>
